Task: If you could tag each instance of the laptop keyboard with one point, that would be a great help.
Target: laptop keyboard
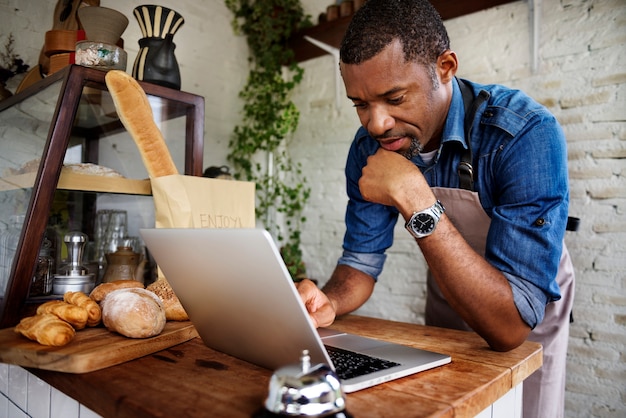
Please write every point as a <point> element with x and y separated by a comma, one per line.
<point>349,364</point>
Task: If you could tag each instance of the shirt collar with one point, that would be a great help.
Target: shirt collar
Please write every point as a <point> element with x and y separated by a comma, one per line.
<point>454,127</point>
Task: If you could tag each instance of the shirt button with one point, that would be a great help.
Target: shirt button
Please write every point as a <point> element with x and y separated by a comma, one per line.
<point>540,222</point>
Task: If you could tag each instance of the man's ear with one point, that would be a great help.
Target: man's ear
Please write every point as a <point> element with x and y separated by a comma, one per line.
<point>447,65</point>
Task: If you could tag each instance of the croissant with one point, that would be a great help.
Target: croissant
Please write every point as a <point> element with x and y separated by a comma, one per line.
<point>94,313</point>
<point>46,329</point>
<point>74,315</point>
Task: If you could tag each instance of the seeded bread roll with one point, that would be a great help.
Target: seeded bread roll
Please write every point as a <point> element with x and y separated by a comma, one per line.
<point>174,310</point>
<point>46,329</point>
<point>135,112</point>
<point>134,313</point>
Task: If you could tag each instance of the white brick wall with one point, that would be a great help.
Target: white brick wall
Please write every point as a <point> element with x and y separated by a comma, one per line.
<point>581,78</point>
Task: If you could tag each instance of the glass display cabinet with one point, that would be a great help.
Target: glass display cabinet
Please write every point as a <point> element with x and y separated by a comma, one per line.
<point>64,155</point>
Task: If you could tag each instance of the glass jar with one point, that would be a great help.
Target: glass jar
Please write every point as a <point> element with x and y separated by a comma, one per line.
<point>41,284</point>
<point>54,238</point>
<point>9,239</point>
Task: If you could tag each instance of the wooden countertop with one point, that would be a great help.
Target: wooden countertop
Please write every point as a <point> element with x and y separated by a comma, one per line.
<point>191,380</point>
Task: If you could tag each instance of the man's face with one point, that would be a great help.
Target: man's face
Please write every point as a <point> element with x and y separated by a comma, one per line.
<point>397,102</point>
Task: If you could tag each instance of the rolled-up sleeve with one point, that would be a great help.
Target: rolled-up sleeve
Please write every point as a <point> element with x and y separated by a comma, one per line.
<point>529,299</point>
<point>368,263</point>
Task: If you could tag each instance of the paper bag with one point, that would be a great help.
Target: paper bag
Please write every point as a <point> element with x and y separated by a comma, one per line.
<point>200,202</point>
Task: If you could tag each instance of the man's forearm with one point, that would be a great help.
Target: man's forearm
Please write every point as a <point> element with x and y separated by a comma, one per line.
<point>348,289</point>
<point>477,291</point>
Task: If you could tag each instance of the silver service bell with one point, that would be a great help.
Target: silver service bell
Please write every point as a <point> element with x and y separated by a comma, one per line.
<point>306,391</point>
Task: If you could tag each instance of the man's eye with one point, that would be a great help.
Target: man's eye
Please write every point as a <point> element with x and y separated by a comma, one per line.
<point>396,100</point>
<point>359,105</point>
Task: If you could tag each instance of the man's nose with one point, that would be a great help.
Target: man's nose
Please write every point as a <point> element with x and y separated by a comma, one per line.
<point>380,121</point>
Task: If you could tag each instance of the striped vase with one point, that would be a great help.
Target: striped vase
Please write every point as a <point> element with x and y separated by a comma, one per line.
<point>156,62</point>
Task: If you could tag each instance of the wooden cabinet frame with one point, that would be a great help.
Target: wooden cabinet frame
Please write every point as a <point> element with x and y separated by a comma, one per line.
<point>74,78</point>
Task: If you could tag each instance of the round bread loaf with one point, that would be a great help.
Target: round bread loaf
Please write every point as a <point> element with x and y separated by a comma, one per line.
<point>133,312</point>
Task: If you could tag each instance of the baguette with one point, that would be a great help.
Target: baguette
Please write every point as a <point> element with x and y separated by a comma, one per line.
<point>135,112</point>
<point>74,315</point>
<point>46,329</point>
<point>94,313</point>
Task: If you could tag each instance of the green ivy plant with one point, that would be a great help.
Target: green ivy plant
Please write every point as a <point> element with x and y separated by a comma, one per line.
<point>258,146</point>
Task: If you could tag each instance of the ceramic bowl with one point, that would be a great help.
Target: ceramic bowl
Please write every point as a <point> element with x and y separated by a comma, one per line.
<point>102,24</point>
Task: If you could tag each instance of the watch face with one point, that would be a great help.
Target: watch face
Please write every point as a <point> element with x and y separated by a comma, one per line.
<point>423,223</point>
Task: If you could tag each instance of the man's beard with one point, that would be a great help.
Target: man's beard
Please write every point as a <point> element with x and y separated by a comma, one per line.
<point>414,149</point>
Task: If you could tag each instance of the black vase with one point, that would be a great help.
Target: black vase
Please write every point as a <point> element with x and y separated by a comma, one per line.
<point>156,62</point>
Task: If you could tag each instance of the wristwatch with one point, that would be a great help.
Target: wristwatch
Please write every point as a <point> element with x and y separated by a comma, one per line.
<point>423,223</point>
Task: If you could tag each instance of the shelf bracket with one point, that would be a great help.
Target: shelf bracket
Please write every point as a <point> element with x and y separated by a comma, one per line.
<point>335,53</point>
<point>534,15</point>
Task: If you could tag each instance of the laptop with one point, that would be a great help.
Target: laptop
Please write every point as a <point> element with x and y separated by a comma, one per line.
<point>240,297</point>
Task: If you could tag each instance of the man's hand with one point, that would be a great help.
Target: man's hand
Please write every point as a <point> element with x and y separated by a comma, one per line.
<point>346,290</point>
<point>317,303</point>
<point>390,179</point>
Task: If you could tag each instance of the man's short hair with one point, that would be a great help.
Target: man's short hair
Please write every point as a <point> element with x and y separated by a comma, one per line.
<point>415,23</point>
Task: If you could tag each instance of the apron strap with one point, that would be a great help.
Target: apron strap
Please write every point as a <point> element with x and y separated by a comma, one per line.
<point>465,168</point>
<point>471,103</point>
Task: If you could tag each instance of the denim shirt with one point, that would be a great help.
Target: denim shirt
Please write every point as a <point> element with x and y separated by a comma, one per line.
<point>520,166</point>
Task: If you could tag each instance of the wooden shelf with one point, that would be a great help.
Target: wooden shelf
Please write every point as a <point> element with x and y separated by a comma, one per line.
<point>331,33</point>
<point>82,182</point>
<point>101,184</point>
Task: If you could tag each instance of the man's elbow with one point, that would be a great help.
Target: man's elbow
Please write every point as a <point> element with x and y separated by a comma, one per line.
<point>508,339</point>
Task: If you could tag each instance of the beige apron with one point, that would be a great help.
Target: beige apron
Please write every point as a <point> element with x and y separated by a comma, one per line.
<point>544,390</point>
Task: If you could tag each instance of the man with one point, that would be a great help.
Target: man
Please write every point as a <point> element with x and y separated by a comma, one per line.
<point>487,202</point>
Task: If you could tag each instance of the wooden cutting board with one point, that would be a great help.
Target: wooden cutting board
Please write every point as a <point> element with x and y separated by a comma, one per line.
<point>91,349</point>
